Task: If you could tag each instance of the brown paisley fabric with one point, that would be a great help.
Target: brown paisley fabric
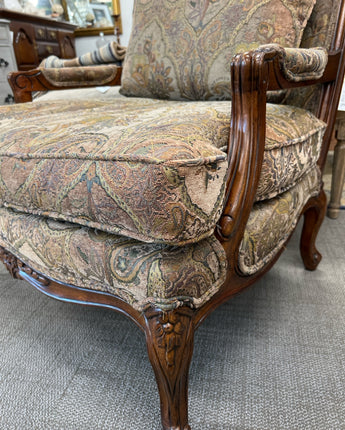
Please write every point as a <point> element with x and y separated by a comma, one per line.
<point>147,169</point>
<point>293,143</point>
<point>80,76</point>
<point>142,273</point>
<point>299,64</point>
<point>271,222</point>
<point>137,272</point>
<point>181,49</point>
<point>320,31</point>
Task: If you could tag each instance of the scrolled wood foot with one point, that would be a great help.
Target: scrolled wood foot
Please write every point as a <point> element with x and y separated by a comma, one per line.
<point>169,338</point>
<point>313,217</point>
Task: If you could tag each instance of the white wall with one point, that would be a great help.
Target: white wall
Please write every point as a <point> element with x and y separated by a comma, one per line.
<point>126,16</point>
<point>87,44</point>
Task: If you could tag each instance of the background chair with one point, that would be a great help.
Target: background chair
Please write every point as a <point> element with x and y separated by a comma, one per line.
<point>165,203</point>
<point>338,170</point>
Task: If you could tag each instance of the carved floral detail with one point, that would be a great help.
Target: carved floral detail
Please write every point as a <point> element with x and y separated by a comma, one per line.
<point>10,262</point>
<point>169,332</point>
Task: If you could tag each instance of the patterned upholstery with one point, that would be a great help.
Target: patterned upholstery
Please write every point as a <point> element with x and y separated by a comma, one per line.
<point>151,170</point>
<point>137,272</point>
<point>319,31</point>
<point>110,53</point>
<point>272,221</point>
<point>141,273</point>
<point>80,76</point>
<point>299,64</point>
<point>182,49</point>
<point>123,195</point>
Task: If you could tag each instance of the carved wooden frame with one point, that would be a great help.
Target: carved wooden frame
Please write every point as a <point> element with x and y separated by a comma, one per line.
<point>169,334</point>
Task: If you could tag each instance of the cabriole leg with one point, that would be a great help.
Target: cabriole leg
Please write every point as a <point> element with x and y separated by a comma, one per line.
<point>313,218</point>
<point>169,338</point>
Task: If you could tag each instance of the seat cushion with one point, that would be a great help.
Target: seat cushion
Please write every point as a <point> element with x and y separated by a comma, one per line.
<point>144,274</point>
<point>182,50</point>
<point>147,169</point>
<point>139,273</point>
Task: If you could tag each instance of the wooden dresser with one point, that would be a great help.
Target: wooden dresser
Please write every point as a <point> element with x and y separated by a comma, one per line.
<point>35,38</point>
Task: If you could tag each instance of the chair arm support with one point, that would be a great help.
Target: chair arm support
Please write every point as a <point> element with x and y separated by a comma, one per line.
<point>253,73</point>
<point>25,82</point>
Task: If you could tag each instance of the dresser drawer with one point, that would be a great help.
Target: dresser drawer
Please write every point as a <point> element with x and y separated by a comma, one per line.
<point>5,93</point>
<point>4,33</point>
<point>6,62</point>
<point>40,33</point>
<point>45,49</point>
<point>52,35</point>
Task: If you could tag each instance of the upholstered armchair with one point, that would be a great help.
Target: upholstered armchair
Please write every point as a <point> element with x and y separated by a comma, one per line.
<point>184,189</point>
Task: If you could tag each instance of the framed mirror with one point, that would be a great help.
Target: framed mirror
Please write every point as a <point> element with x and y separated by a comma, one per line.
<point>93,17</point>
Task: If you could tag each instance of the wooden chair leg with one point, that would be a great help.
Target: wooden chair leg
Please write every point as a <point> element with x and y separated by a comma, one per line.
<point>169,338</point>
<point>313,217</point>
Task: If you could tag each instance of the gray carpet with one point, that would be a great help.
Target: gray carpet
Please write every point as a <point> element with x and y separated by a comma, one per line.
<point>271,358</point>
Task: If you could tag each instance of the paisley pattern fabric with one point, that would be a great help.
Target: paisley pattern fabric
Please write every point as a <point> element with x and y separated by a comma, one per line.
<point>293,144</point>
<point>271,222</point>
<point>320,31</point>
<point>321,26</point>
<point>299,64</point>
<point>181,49</point>
<point>112,52</point>
<point>80,76</point>
<point>142,273</point>
<point>148,169</point>
<point>137,272</point>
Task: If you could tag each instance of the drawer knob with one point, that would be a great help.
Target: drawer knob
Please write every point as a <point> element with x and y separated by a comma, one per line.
<point>3,63</point>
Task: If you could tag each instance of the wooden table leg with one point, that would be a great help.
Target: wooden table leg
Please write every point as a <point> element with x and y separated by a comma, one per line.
<point>338,178</point>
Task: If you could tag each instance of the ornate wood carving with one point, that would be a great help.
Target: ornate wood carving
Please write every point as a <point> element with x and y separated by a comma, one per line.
<point>16,267</point>
<point>246,144</point>
<point>169,337</point>
<point>10,262</point>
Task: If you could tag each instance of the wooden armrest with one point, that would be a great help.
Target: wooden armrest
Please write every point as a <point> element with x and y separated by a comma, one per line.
<point>252,75</point>
<point>24,83</point>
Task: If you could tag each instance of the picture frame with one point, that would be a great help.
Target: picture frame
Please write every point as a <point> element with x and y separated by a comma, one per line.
<point>102,15</point>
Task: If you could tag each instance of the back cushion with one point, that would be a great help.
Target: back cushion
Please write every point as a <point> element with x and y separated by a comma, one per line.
<point>181,49</point>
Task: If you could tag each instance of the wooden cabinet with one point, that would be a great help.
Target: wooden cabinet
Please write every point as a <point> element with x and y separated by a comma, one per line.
<point>35,38</point>
<point>7,62</point>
